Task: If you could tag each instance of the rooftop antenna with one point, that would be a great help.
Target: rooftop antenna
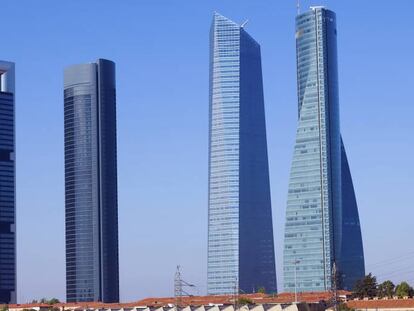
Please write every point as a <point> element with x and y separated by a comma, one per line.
<point>298,6</point>
<point>244,24</point>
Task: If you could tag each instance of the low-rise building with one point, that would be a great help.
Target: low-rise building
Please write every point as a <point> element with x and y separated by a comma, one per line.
<point>310,301</point>
<point>382,304</point>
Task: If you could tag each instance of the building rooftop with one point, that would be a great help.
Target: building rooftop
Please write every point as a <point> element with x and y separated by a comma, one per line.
<point>258,298</point>
<point>390,303</point>
<point>317,7</point>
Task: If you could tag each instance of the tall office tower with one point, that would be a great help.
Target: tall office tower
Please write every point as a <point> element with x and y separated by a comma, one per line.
<point>7,185</point>
<point>322,223</point>
<point>240,232</point>
<point>91,183</point>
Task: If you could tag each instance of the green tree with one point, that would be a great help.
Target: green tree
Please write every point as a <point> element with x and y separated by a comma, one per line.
<point>4,308</point>
<point>386,289</point>
<point>343,307</point>
<point>366,287</point>
<point>244,301</point>
<point>261,290</point>
<point>53,301</point>
<point>404,289</point>
<point>48,301</point>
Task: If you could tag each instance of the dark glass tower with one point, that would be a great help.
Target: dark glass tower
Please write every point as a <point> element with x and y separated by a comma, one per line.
<point>322,222</point>
<point>91,183</point>
<point>7,185</point>
<point>351,264</point>
<point>240,232</point>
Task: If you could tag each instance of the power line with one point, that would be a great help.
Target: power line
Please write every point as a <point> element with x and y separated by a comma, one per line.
<point>396,274</point>
<point>405,256</point>
<point>393,271</point>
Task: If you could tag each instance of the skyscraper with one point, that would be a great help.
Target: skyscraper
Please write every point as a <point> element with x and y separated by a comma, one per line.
<point>91,183</point>
<point>322,222</point>
<point>7,185</point>
<point>240,232</point>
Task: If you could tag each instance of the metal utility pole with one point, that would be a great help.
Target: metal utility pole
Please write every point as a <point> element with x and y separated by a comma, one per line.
<point>178,288</point>
<point>335,287</point>
<point>236,294</point>
<point>179,283</point>
<point>296,291</point>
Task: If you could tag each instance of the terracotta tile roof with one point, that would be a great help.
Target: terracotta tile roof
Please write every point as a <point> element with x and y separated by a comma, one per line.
<point>258,298</point>
<point>29,305</point>
<point>381,303</point>
<point>309,297</point>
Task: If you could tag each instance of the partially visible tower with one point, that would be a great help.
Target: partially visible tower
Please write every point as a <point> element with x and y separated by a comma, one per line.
<point>91,183</point>
<point>240,230</point>
<point>7,184</point>
<point>322,223</point>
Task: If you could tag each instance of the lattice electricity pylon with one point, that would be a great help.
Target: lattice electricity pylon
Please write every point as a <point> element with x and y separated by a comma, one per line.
<point>179,284</point>
<point>334,289</point>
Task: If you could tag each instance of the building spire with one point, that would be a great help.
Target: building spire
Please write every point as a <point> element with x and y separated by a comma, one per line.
<point>298,7</point>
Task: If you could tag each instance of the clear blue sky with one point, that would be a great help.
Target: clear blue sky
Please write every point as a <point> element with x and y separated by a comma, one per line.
<point>161,52</point>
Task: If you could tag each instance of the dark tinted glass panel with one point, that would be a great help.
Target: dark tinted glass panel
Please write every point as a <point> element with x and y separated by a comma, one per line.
<point>7,200</point>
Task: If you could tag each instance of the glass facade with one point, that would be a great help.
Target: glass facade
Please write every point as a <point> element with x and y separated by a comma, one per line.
<point>314,237</point>
<point>7,185</point>
<point>352,257</point>
<point>240,232</point>
<point>91,183</point>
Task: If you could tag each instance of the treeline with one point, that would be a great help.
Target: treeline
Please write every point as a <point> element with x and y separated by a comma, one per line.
<point>46,301</point>
<point>368,287</point>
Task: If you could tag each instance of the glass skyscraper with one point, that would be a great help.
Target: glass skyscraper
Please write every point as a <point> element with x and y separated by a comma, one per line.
<point>322,222</point>
<point>91,183</point>
<point>240,232</point>
<point>7,185</point>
